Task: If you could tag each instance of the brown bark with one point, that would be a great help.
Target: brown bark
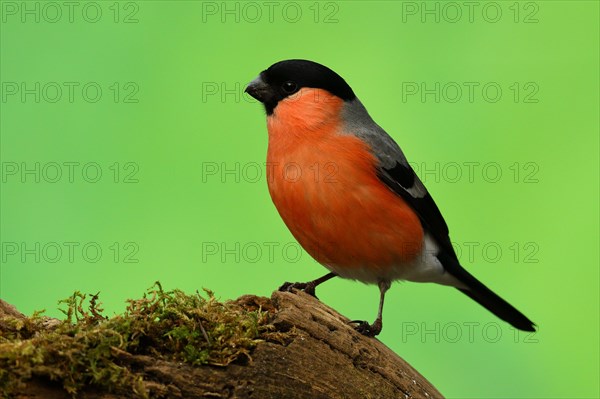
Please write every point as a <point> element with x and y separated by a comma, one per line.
<point>323,358</point>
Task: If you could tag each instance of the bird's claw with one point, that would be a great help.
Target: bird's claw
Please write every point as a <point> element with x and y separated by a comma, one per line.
<point>366,329</point>
<point>306,287</point>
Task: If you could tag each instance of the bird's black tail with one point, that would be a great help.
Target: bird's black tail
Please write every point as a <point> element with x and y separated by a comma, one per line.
<point>484,296</point>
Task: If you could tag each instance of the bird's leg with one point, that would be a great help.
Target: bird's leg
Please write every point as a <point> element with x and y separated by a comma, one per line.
<point>371,330</point>
<point>309,287</point>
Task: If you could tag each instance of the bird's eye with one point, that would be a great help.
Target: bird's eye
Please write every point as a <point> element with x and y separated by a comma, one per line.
<point>289,87</point>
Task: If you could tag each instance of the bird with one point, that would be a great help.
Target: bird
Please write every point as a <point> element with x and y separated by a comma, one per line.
<point>348,194</point>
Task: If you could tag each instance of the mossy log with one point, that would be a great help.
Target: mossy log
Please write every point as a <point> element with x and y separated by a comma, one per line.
<point>318,356</point>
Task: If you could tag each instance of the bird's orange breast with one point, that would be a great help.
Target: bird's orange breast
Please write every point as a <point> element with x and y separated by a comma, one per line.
<point>324,184</point>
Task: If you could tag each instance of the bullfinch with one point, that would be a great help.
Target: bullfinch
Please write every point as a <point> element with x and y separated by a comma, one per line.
<point>348,195</point>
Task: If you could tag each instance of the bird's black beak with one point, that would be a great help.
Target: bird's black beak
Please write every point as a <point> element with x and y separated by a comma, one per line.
<point>259,90</point>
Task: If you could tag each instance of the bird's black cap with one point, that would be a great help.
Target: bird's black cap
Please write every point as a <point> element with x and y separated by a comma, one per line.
<point>285,78</point>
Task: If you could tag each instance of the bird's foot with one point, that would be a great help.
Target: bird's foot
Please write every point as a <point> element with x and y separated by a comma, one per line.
<point>366,329</point>
<point>309,288</point>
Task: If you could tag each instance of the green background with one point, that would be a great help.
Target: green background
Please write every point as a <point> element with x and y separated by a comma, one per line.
<point>180,116</point>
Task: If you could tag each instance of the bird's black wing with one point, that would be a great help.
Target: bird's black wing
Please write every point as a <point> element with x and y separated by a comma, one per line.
<point>402,179</point>
<point>394,170</point>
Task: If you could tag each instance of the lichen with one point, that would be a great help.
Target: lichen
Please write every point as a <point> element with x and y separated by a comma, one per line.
<point>90,349</point>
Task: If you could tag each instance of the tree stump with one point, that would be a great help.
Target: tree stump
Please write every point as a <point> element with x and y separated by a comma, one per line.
<point>322,358</point>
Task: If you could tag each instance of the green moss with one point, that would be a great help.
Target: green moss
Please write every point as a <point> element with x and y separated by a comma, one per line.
<point>88,348</point>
